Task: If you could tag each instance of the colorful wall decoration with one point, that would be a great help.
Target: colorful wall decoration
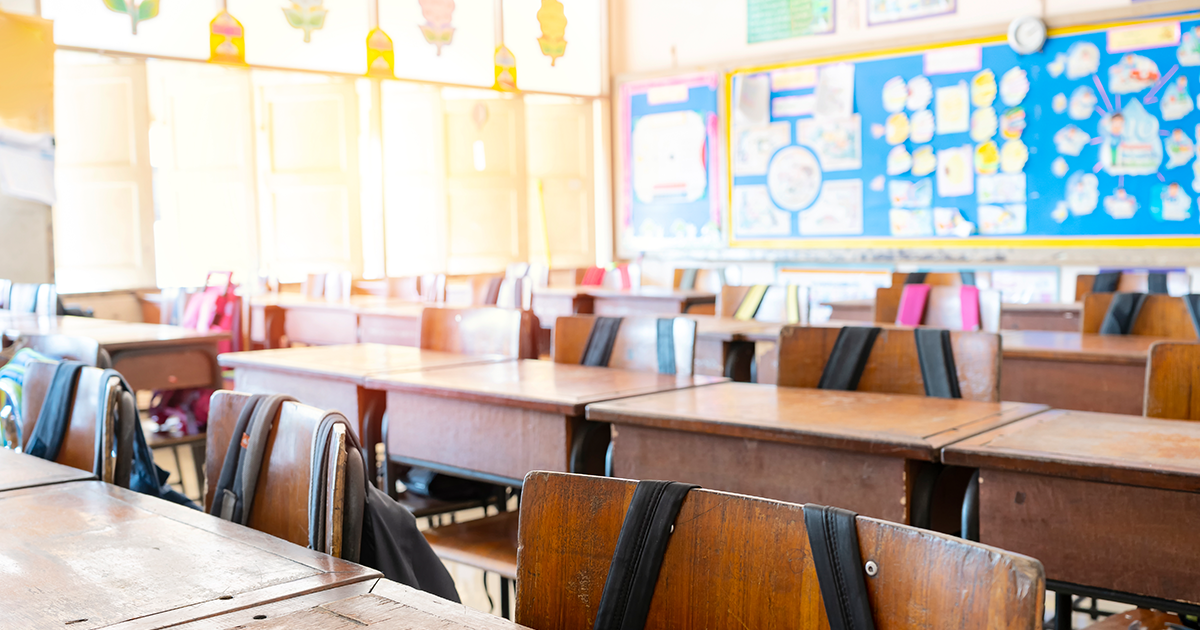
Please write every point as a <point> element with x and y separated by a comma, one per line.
<point>437,28</point>
<point>670,177</point>
<point>554,30</point>
<point>769,20</point>
<point>227,39</point>
<point>306,15</point>
<point>1095,136</point>
<point>137,10</point>
<point>506,70</point>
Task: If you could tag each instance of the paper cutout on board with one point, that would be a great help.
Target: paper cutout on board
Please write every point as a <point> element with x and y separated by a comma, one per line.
<point>138,10</point>
<point>1170,203</point>
<point>924,161</point>
<point>838,211</point>
<point>1014,85</point>
<point>911,222</point>
<point>921,127</point>
<point>381,55</point>
<point>1120,204</point>
<point>877,183</point>
<point>905,194</point>
<point>1176,102</point>
<point>754,147</point>
<point>1059,103</point>
<point>920,93</point>
<point>987,158</point>
<point>837,142</point>
<point>1057,66</point>
<point>951,222</point>
<point>1059,167</point>
<point>554,29</point>
<point>1083,58</point>
<point>1083,193</point>
<point>793,106</point>
<point>667,155</point>
<point>226,40</point>
<point>955,177</point>
<point>1142,37</point>
<point>306,15</point>
<point>953,108</point>
<point>1188,52</point>
<point>794,178</point>
<point>1060,212</point>
<point>1130,143</point>
<point>1179,148</point>
<point>1070,140</point>
<point>983,124</point>
<point>800,78</point>
<point>752,100</point>
<point>999,220</point>
<point>1133,73</point>
<point>1012,123</point>
<point>983,88</point>
<point>756,215</point>
<point>899,161</point>
<point>1000,188</point>
<point>895,95</point>
<point>506,70</point>
<point>897,128</point>
<point>877,130</point>
<point>953,59</point>
<point>437,29</point>
<point>835,91</point>
<point>1083,103</point>
<point>1013,156</point>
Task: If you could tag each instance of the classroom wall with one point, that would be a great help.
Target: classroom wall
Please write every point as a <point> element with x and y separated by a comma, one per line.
<point>657,37</point>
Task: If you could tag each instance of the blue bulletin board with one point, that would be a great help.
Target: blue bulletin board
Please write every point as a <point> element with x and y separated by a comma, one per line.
<point>1090,142</point>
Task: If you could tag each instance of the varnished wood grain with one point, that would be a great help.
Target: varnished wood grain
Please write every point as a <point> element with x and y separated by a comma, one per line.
<point>92,555</point>
<point>488,543</point>
<point>1172,381</point>
<point>647,300</point>
<point>1145,620</point>
<point>743,562</point>
<point>351,362</point>
<point>1042,316</point>
<point>1161,316</point>
<point>18,470</point>
<point>481,331</point>
<point>636,344</point>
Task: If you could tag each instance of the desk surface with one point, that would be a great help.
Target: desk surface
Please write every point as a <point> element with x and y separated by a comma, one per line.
<point>18,470</point>
<point>89,554</point>
<point>730,329</point>
<point>113,335</point>
<point>1049,345</point>
<point>640,292</point>
<point>353,362</point>
<point>539,385</point>
<point>1091,446</point>
<point>906,426</point>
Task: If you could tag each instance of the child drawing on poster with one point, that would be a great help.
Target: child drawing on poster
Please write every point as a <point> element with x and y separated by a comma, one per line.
<point>1083,193</point>
<point>1180,148</point>
<point>1120,204</point>
<point>1170,203</point>
<point>1176,102</point>
<point>669,157</point>
<point>1130,144</point>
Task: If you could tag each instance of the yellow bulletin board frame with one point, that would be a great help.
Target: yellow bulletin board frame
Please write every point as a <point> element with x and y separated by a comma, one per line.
<point>974,242</point>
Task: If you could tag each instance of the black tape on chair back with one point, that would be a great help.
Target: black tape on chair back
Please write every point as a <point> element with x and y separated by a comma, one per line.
<point>639,554</point>
<point>666,346</point>
<point>833,538</point>
<point>600,341</point>
<point>936,356</point>
<point>967,277</point>
<point>1122,313</point>
<point>233,454</point>
<point>1106,282</point>
<point>1158,283</point>
<point>1193,305</point>
<point>916,278</point>
<point>688,279</point>
<point>848,358</point>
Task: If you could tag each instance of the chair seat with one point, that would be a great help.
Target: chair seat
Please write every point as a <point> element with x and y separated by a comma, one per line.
<point>1149,620</point>
<point>422,506</point>
<point>488,543</point>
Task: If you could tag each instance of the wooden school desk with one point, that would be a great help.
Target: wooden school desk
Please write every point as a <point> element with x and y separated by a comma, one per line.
<point>150,356</point>
<point>725,346</point>
<point>647,300</point>
<point>861,451</point>
<point>18,470</point>
<point>1075,370</point>
<point>334,377</point>
<point>93,555</point>
<point>316,321</point>
<point>498,421</point>
<point>1108,503</point>
<point>1061,317</point>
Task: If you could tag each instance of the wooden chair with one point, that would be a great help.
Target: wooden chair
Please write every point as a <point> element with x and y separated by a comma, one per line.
<point>331,286</point>
<point>781,304</point>
<point>1161,316</point>
<point>893,366</point>
<point>1173,381</point>
<point>476,331</point>
<point>41,299</point>
<point>743,562</point>
<point>83,349</point>
<point>110,457</point>
<point>565,277</point>
<point>1129,282</point>
<point>943,309</point>
<point>282,495</point>
<point>636,345</point>
<point>700,279</point>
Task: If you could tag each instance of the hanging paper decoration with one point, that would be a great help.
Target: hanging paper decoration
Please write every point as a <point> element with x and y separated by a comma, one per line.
<point>554,28</point>
<point>226,39</point>
<point>381,55</point>
<point>437,28</point>
<point>308,15</point>
<point>137,10</point>
<point>506,70</point>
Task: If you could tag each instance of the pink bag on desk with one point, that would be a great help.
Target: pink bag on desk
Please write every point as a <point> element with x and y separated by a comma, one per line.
<point>217,307</point>
<point>912,304</point>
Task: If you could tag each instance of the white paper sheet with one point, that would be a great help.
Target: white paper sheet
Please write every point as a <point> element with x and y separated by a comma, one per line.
<point>27,166</point>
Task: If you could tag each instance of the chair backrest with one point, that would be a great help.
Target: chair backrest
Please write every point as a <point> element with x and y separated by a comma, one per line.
<point>33,298</point>
<point>780,303</point>
<point>1173,381</point>
<point>483,330</point>
<point>893,366</point>
<point>736,561</point>
<point>1129,282</point>
<point>83,349</point>
<point>101,411</point>
<point>336,285</point>
<point>514,293</point>
<point>282,505</point>
<point>943,307</point>
<point>940,278</point>
<point>433,287</point>
<point>700,279</point>
<point>1161,316</point>
<point>566,277</point>
<point>636,345</point>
